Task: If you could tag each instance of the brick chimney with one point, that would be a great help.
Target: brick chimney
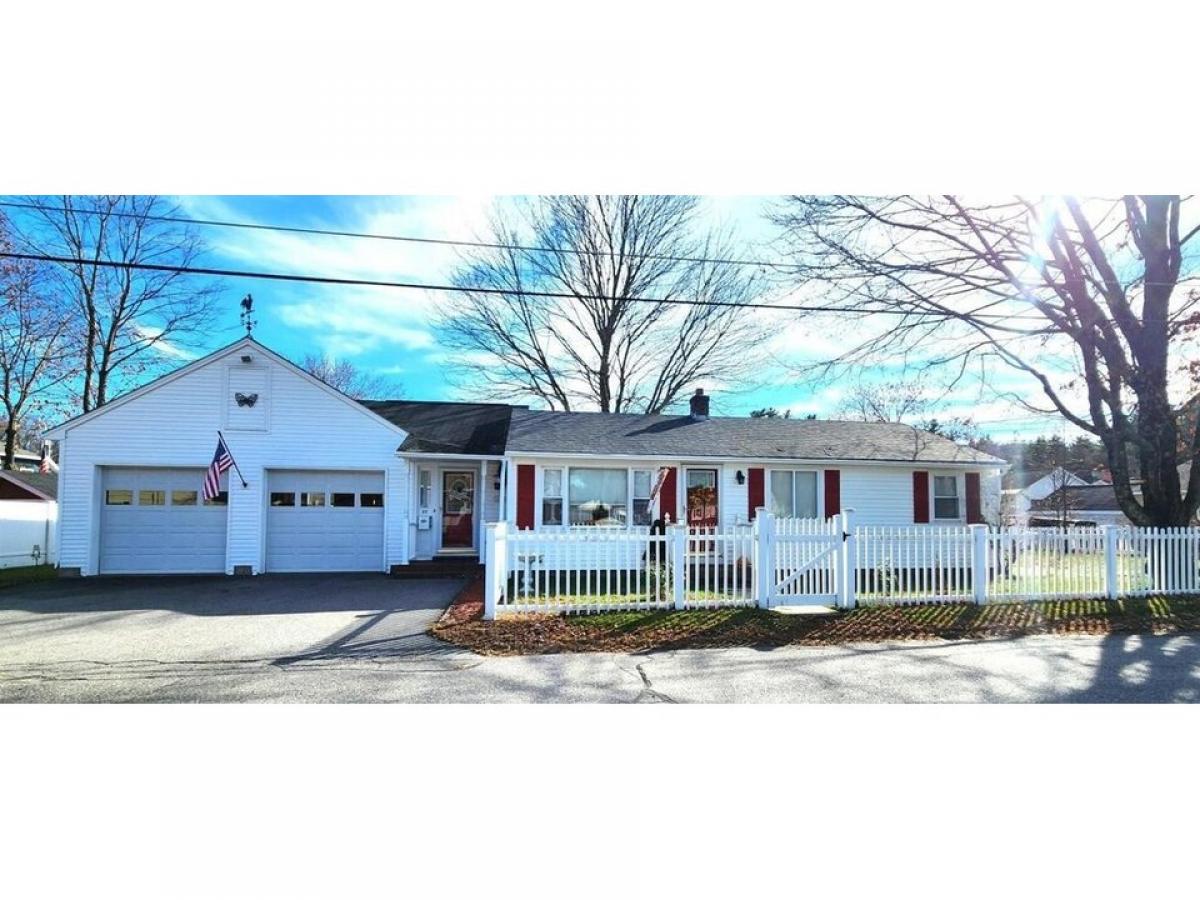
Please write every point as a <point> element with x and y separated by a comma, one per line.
<point>699,404</point>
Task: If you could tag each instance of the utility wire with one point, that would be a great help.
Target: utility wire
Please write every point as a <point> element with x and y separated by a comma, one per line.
<point>448,242</point>
<point>295,229</point>
<point>413,285</point>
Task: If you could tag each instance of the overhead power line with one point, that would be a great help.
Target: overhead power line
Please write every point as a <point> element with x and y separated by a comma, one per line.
<point>414,285</point>
<point>448,242</point>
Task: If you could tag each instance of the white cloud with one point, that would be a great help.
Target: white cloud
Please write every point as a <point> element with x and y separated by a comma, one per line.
<point>348,320</point>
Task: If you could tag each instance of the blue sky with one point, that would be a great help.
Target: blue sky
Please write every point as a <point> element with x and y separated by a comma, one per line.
<point>389,331</point>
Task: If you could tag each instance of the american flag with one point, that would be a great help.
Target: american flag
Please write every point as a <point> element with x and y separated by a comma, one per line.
<point>222,462</point>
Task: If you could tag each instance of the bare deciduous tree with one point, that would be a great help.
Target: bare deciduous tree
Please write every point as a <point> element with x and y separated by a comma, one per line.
<point>130,322</point>
<point>893,401</point>
<point>1088,298</point>
<point>904,401</point>
<point>34,346</point>
<point>348,378</point>
<point>602,348</point>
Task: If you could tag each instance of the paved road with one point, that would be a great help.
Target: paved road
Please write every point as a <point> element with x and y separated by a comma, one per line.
<point>361,638</point>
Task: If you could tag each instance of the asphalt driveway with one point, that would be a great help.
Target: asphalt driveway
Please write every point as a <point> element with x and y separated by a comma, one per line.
<point>59,626</point>
<point>348,638</point>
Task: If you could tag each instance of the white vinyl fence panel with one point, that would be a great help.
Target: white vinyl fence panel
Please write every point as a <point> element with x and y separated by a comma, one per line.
<point>829,562</point>
<point>27,532</point>
<point>1158,561</point>
<point>1046,563</point>
<point>913,564</point>
<point>718,567</point>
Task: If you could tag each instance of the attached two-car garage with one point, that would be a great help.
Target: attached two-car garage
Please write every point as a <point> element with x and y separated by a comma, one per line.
<point>156,520</point>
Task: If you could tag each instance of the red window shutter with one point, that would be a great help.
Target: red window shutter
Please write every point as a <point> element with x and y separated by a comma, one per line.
<point>755,494</point>
<point>666,501</point>
<point>920,497</point>
<point>833,492</point>
<point>526,482</point>
<point>974,502</point>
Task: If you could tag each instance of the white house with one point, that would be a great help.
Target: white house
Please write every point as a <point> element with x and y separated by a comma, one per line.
<point>1029,487</point>
<point>337,485</point>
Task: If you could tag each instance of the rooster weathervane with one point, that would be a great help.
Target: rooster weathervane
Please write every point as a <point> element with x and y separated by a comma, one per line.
<point>248,320</point>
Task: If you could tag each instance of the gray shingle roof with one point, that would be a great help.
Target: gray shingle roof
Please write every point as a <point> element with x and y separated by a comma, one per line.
<point>475,428</point>
<point>47,483</point>
<point>1092,498</point>
<point>533,431</point>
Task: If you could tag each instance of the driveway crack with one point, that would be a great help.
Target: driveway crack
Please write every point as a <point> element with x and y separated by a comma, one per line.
<point>649,694</point>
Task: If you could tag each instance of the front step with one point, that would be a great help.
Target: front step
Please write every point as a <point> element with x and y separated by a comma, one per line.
<point>440,567</point>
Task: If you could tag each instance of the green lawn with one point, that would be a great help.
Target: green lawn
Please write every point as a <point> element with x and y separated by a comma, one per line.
<point>26,575</point>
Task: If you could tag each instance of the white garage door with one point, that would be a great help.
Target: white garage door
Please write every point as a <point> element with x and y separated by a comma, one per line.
<point>157,521</point>
<point>324,521</point>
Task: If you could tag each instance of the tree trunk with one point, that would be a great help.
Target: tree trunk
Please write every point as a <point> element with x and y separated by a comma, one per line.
<point>10,444</point>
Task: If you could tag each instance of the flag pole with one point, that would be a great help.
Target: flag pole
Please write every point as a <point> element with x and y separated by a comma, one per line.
<point>235,465</point>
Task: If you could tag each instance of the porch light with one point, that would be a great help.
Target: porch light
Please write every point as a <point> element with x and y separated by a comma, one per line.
<point>741,477</point>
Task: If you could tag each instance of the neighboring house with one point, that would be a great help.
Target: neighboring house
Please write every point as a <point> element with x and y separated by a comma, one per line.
<point>28,510</point>
<point>334,484</point>
<point>1022,488</point>
<point>26,460</point>
<point>1088,504</point>
<point>20,484</point>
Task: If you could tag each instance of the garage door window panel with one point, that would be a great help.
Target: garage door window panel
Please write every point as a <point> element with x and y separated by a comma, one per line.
<point>283,498</point>
<point>118,497</point>
<point>312,498</point>
<point>222,499</point>
<point>340,499</point>
<point>183,498</point>
<point>152,497</point>
<point>370,500</point>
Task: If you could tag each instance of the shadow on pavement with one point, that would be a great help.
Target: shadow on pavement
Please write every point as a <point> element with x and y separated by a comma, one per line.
<point>220,595</point>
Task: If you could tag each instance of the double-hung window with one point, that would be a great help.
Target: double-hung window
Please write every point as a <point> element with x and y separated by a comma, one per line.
<point>793,494</point>
<point>945,497</point>
<point>642,481</point>
<point>552,496</point>
<point>598,496</point>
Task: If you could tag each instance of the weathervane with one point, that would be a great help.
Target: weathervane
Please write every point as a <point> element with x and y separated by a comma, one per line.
<point>248,321</point>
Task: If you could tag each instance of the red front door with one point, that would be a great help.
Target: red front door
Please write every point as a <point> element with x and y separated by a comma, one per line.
<point>458,510</point>
<point>702,498</point>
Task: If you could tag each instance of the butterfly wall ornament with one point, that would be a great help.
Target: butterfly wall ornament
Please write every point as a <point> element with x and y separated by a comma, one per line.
<point>245,399</point>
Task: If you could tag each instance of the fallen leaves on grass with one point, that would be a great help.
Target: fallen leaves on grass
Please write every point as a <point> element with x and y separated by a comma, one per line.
<point>643,631</point>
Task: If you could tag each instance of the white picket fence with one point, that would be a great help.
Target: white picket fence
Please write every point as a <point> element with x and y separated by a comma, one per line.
<point>828,562</point>
<point>27,532</point>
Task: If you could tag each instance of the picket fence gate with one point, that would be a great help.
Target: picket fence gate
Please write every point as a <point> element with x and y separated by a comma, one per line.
<point>826,562</point>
